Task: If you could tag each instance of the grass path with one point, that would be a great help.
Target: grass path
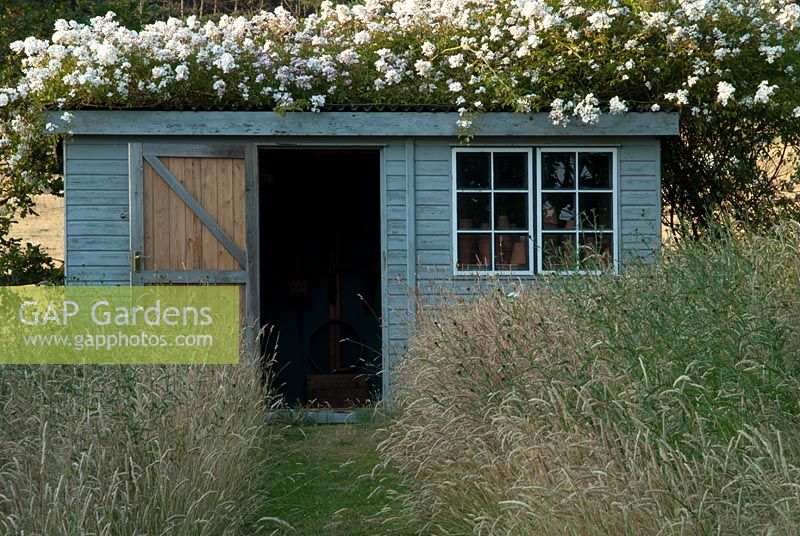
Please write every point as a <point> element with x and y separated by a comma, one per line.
<point>322,482</point>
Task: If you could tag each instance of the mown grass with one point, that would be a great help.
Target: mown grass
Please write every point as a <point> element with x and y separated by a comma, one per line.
<point>323,481</point>
<point>662,401</point>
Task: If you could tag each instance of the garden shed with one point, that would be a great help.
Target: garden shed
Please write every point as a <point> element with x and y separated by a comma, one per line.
<point>331,221</point>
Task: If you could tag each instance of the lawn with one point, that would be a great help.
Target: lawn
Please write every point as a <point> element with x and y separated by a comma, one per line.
<point>323,481</point>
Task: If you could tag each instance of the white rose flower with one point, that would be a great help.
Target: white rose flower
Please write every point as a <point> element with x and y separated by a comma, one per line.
<point>226,62</point>
<point>106,54</point>
<point>771,53</point>
<point>764,92</point>
<point>558,114</point>
<point>725,92</point>
<point>219,87</point>
<point>599,20</point>
<point>181,72</point>
<point>588,109</point>
<point>456,61</point>
<point>423,67</point>
<point>317,102</point>
<point>617,106</point>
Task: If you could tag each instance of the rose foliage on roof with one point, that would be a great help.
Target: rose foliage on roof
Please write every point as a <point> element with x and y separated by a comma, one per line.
<point>575,59</point>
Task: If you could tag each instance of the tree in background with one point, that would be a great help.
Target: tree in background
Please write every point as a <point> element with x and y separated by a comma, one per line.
<point>730,165</point>
<point>206,8</point>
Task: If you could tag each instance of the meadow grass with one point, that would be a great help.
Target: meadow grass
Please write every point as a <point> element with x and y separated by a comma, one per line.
<point>665,400</point>
<point>124,450</point>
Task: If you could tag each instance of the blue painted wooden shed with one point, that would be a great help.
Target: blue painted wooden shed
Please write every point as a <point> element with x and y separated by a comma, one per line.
<point>328,220</point>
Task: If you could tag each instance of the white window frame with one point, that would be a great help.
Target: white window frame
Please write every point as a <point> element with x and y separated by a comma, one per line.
<point>614,191</point>
<point>531,231</point>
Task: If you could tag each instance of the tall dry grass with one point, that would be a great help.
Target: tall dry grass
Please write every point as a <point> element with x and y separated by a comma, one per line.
<point>124,450</point>
<point>664,401</point>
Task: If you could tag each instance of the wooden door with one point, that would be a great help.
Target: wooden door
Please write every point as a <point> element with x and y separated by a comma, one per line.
<point>191,208</point>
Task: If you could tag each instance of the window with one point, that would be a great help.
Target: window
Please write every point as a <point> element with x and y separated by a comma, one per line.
<point>575,220</point>
<point>492,205</point>
<point>503,224</point>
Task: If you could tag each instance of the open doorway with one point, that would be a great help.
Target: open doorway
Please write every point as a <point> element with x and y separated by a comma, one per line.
<point>321,272</point>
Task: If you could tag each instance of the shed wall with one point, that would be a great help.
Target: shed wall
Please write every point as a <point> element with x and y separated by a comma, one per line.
<point>416,210</point>
<point>96,201</point>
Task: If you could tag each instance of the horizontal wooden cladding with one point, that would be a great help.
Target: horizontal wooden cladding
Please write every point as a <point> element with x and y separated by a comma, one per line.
<point>119,258</point>
<point>97,151</point>
<point>633,168</point>
<point>100,198</point>
<point>645,213</point>
<point>174,236</point>
<point>107,214</point>
<point>98,275</point>
<point>96,183</point>
<point>102,168</point>
<point>164,123</point>
<point>100,242</point>
<point>97,213</point>
<point>77,229</point>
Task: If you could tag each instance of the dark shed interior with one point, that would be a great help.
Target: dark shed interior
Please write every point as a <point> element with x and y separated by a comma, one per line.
<point>320,272</point>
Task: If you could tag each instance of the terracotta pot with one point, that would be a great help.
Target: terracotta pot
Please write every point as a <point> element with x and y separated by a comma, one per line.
<point>484,250</point>
<point>505,246</point>
<point>466,249</point>
<point>519,255</point>
<point>466,223</point>
<point>569,224</point>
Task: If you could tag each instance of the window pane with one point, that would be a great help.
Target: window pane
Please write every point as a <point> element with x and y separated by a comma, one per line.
<point>474,251</point>
<point>511,211</point>
<point>596,211</point>
<point>511,252</point>
<point>474,211</point>
<point>558,211</point>
<point>597,251</point>
<point>558,251</point>
<point>510,171</point>
<point>472,170</point>
<point>558,171</point>
<point>595,170</point>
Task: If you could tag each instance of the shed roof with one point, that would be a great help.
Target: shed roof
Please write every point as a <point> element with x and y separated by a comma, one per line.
<point>222,123</point>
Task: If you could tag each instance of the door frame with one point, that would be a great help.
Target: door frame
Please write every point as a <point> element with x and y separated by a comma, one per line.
<point>380,147</point>
<point>248,275</point>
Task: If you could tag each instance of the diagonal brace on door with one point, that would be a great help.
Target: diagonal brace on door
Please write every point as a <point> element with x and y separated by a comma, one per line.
<point>207,219</point>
